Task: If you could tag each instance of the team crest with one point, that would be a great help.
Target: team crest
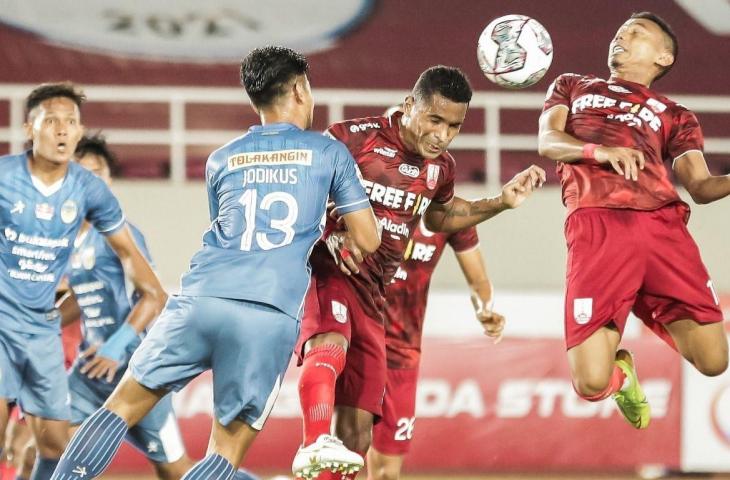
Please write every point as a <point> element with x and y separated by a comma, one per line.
<point>582,310</point>
<point>339,311</point>
<point>69,210</point>
<point>432,176</point>
<point>44,211</point>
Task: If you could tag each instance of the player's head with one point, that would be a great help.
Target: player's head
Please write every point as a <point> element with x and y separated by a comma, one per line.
<point>645,42</point>
<point>94,154</point>
<point>53,121</point>
<point>434,111</point>
<point>276,78</point>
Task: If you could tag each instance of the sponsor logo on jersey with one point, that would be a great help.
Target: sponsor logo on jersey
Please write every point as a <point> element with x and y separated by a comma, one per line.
<point>432,176</point>
<point>582,310</point>
<point>88,258</point>
<point>339,311</point>
<point>633,114</point>
<point>278,157</point>
<point>18,207</point>
<point>386,151</point>
<point>69,210</point>
<point>44,211</point>
<point>618,89</point>
<point>409,170</point>
<point>396,228</point>
<point>361,127</point>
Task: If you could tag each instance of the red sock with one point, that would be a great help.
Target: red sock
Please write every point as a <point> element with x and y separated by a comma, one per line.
<point>320,369</point>
<point>614,385</point>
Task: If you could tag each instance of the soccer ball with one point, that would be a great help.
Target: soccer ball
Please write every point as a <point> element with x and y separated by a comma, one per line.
<point>514,51</point>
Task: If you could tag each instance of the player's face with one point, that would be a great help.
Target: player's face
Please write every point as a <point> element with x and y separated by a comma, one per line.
<point>55,128</point>
<point>96,165</point>
<point>639,43</point>
<point>431,124</point>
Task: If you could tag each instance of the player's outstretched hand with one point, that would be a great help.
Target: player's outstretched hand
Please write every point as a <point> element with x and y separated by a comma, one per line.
<point>625,161</point>
<point>98,366</point>
<point>522,185</point>
<point>345,253</point>
<point>492,323</point>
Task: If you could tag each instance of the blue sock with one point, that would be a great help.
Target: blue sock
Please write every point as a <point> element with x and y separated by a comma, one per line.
<point>43,468</point>
<point>92,447</point>
<point>212,467</point>
<point>243,474</point>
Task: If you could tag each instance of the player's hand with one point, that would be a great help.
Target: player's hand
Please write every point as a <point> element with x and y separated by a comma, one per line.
<point>492,323</point>
<point>345,253</point>
<point>625,161</point>
<point>522,185</point>
<point>98,366</point>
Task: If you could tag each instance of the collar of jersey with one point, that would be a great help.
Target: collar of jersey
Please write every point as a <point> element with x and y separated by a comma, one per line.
<point>276,127</point>
<point>45,190</point>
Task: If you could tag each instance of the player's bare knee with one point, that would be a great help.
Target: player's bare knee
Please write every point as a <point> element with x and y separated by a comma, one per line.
<point>174,470</point>
<point>712,367</point>
<point>330,338</point>
<point>590,385</point>
<point>356,439</point>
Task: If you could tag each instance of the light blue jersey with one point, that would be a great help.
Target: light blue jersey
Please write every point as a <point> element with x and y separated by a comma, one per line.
<point>38,224</point>
<point>97,279</point>
<point>267,192</point>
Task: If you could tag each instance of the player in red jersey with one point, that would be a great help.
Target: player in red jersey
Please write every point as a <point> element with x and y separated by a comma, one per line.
<point>407,297</point>
<point>628,245</point>
<point>407,173</point>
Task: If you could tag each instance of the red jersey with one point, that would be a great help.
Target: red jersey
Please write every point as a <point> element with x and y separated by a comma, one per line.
<point>407,294</point>
<point>619,113</point>
<point>400,184</point>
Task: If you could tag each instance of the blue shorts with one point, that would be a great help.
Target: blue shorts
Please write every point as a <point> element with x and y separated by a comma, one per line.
<point>248,346</point>
<point>32,373</point>
<point>157,435</point>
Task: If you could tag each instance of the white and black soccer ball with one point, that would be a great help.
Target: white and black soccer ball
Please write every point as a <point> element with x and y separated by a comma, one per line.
<point>514,51</point>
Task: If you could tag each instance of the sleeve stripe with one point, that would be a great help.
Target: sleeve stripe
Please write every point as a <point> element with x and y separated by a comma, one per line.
<point>683,154</point>
<point>470,249</point>
<point>351,204</point>
<point>116,225</point>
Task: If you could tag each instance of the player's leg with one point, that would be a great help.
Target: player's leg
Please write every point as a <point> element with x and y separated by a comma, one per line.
<point>606,268</point>
<point>17,436</point>
<point>51,437</point>
<point>173,353</point>
<point>11,359</point>
<point>703,345</point>
<point>26,460</point>
<point>258,340</point>
<point>393,434</point>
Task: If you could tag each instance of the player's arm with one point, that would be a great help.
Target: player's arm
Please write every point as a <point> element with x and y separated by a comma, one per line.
<point>459,214</point>
<point>151,301</point>
<point>691,170</point>
<point>555,144</point>
<point>362,238</point>
<point>475,273</point>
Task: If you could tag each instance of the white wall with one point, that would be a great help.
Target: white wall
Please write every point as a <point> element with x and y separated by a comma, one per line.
<point>524,249</point>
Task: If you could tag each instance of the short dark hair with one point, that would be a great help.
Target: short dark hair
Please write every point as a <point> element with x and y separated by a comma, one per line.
<point>667,29</point>
<point>45,91</point>
<point>265,71</point>
<point>96,145</point>
<point>449,82</point>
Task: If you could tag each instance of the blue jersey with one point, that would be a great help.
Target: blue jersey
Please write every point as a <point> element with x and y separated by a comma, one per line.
<point>38,225</point>
<point>97,279</point>
<point>268,192</point>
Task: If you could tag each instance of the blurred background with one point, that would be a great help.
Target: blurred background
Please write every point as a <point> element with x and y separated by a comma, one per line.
<point>162,81</point>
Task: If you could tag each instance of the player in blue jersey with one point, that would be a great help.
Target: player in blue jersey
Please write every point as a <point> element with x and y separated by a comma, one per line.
<point>99,296</point>
<point>44,199</point>
<point>241,301</point>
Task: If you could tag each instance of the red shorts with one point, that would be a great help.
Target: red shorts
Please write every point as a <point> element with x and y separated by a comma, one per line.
<point>393,434</point>
<point>645,261</point>
<point>332,306</point>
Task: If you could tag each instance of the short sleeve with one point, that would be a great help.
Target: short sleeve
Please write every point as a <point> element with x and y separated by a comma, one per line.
<point>445,191</point>
<point>686,134</point>
<point>211,178</point>
<point>559,92</point>
<point>346,190</point>
<point>464,240</point>
<point>102,207</point>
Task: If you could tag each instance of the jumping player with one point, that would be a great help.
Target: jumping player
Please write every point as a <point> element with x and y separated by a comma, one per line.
<point>628,244</point>
<point>44,198</point>
<point>406,299</point>
<point>240,303</point>
<point>407,174</point>
<point>99,296</point>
